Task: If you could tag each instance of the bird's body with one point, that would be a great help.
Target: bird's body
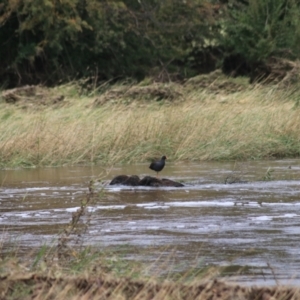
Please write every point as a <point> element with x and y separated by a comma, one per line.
<point>158,165</point>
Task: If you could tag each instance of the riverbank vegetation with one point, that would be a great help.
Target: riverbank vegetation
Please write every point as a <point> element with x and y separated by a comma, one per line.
<point>36,286</point>
<point>125,81</point>
<point>48,42</point>
<point>128,123</point>
<point>105,275</point>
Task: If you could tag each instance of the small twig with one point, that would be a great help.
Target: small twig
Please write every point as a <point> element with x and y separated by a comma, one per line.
<point>62,247</point>
<point>273,273</point>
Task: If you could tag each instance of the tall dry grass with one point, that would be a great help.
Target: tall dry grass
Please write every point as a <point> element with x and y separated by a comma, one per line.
<point>261,122</point>
<point>38,287</point>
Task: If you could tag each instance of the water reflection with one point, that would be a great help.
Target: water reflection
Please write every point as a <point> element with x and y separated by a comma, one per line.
<point>250,226</point>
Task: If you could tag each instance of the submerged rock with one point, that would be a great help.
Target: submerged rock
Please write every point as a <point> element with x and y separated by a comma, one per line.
<point>134,180</point>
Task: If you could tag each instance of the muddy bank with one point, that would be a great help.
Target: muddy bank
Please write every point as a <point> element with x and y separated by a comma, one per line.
<point>33,96</point>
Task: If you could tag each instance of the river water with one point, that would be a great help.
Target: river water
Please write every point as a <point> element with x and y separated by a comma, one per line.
<point>251,227</point>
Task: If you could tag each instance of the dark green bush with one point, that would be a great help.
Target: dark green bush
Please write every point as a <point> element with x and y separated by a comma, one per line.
<point>51,40</point>
<point>260,29</point>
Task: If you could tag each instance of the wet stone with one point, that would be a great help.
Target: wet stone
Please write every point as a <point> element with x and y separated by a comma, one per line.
<point>134,180</point>
<point>126,180</point>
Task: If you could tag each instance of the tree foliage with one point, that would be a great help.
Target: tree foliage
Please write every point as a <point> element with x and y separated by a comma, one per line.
<point>259,29</point>
<point>47,41</point>
<point>50,40</point>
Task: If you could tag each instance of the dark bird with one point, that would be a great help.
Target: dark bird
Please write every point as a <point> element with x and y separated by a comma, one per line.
<point>158,165</point>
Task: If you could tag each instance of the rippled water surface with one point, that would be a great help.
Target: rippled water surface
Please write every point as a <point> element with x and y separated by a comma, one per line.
<point>252,226</point>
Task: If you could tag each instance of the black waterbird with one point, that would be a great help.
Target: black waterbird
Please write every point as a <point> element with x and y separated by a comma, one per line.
<point>158,165</point>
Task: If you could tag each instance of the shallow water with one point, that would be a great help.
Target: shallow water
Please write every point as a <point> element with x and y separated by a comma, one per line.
<point>252,227</point>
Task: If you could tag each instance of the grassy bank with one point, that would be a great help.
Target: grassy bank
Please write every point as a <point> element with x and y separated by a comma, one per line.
<point>125,124</point>
<point>36,286</point>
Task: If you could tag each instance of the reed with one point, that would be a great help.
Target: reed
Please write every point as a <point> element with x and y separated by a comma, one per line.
<point>255,123</point>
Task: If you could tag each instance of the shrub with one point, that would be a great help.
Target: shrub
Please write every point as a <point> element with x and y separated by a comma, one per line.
<point>263,28</point>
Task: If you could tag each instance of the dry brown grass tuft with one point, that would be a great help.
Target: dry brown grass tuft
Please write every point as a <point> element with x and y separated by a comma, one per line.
<point>37,286</point>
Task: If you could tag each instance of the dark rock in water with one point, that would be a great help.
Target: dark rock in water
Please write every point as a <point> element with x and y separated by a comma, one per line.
<point>133,180</point>
<point>146,181</point>
<point>154,181</point>
<point>119,179</point>
<point>150,181</point>
<point>169,182</point>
